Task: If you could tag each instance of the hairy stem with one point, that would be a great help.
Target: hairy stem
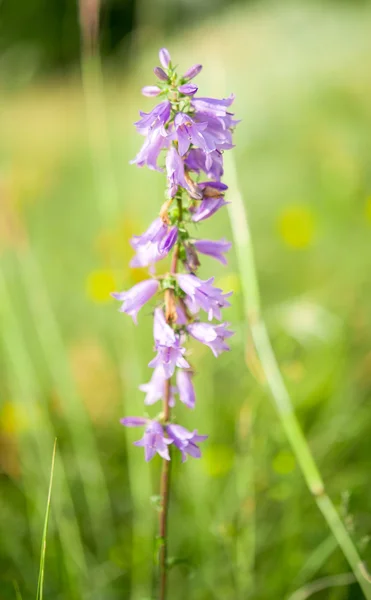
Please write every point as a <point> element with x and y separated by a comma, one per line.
<point>273,381</point>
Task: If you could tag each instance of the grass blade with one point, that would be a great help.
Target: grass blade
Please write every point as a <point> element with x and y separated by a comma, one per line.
<point>40,583</point>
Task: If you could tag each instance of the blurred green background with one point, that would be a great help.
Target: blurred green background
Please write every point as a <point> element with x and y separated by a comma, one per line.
<point>242,523</point>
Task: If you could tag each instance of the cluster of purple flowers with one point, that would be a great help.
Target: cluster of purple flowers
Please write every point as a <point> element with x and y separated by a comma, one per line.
<point>193,133</point>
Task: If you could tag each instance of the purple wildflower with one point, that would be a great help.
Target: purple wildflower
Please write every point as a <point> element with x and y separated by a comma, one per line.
<point>154,389</point>
<point>189,132</point>
<point>175,172</point>
<point>213,248</point>
<point>155,119</point>
<point>202,294</point>
<point>208,208</point>
<point>212,106</point>
<point>153,439</point>
<point>154,244</point>
<point>168,242</point>
<point>149,152</point>
<point>185,440</point>
<point>211,335</point>
<point>135,298</point>
<point>169,357</point>
<point>211,164</point>
<point>185,387</point>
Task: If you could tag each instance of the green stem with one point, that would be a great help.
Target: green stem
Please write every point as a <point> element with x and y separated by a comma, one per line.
<point>274,383</point>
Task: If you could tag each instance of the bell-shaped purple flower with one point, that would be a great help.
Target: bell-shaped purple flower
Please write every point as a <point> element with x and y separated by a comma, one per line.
<point>207,208</point>
<point>189,132</point>
<point>175,172</point>
<point>202,294</point>
<point>149,152</point>
<point>163,334</point>
<point>185,387</point>
<point>188,89</point>
<point>211,335</point>
<point>155,119</point>
<point>135,298</point>
<point>154,244</point>
<point>192,72</point>
<point>164,57</point>
<point>154,439</point>
<point>212,106</point>
<point>155,388</point>
<point>215,249</point>
<point>211,164</point>
<point>186,441</point>
<point>168,242</point>
<point>151,90</point>
<point>168,358</point>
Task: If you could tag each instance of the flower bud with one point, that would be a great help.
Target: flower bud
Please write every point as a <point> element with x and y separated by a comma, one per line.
<point>160,73</point>
<point>192,72</point>
<point>151,90</point>
<point>164,57</point>
<point>188,89</point>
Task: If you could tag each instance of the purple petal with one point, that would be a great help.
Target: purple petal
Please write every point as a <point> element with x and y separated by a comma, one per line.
<point>188,89</point>
<point>160,73</point>
<point>133,421</point>
<point>192,72</point>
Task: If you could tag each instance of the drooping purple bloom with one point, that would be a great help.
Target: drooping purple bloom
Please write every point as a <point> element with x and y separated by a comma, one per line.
<point>153,440</point>
<point>168,242</point>
<point>155,388</point>
<point>211,335</point>
<point>168,358</point>
<point>188,89</point>
<point>135,298</point>
<point>202,294</point>
<point>219,186</point>
<point>155,119</point>
<point>151,90</point>
<point>185,440</point>
<point>211,164</point>
<point>153,245</point>
<point>149,152</point>
<point>160,73</point>
<point>163,334</point>
<point>192,72</point>
<point>164,57</point>
<point>207,208</point>
<point>189,132</point>
<point>215,249</point>
<point>185,387</point>
<point>175,172</point>
<point>212,106</point>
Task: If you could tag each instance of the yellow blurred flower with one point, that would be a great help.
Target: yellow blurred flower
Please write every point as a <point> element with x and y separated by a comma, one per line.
<point>296,226</point>
<point>99,285</point>
<point>13,419</point>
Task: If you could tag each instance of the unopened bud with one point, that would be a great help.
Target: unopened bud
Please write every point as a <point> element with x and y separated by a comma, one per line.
<point>192,72</point>
<point>164,57</point>
<point>151,90</point>
<point>160,73</point>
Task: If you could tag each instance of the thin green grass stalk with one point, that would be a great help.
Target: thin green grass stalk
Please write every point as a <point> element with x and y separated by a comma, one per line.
<point>26,391</point>
<point>40,583</point>
<point>326,583</point>
<point>274,382</point>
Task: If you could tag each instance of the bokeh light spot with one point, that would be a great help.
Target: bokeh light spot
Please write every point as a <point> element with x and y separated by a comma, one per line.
<point>99,285</point>
<point>296,226</point>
